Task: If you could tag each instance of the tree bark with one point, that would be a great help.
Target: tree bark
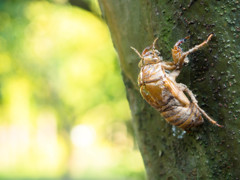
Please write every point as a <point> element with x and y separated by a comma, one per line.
<point>209,152</point>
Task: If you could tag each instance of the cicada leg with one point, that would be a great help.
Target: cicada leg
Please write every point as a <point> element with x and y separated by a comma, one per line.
<point>184,88</point>
<point>179,57</point>
<point>177,52</point>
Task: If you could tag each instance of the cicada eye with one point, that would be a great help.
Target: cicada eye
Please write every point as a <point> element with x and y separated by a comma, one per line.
<point>145,51</point>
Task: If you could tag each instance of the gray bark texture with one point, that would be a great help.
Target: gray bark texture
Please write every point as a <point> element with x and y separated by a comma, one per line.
<point>208,152</point>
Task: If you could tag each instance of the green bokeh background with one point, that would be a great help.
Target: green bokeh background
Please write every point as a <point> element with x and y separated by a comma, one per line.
<point>58,73</point>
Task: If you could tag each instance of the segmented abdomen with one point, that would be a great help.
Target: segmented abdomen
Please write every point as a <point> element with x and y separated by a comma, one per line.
<point>183,117</point>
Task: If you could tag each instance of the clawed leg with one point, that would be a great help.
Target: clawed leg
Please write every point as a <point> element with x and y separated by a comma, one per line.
<point>184,88</point>
<point>179,57</point>
<point>198,46</point>
<point>185,54</point>
<point>168,65</point>
<point>177,52</point>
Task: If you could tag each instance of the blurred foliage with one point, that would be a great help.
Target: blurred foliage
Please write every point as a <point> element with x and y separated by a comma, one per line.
<point>63,111</point>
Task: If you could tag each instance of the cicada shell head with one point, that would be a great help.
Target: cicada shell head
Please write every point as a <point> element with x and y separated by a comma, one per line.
<point>151,56</point>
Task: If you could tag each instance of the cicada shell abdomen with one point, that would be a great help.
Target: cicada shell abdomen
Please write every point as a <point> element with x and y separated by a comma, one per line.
<point>183,117</point>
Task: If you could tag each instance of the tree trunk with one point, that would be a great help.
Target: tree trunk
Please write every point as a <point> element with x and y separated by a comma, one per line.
<point>209,152</point>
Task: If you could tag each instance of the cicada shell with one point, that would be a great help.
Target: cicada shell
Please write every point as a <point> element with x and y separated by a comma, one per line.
<point>160,89</point>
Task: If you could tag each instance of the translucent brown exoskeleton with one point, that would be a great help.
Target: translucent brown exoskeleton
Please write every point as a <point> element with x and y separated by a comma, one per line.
<point>160,89</point>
